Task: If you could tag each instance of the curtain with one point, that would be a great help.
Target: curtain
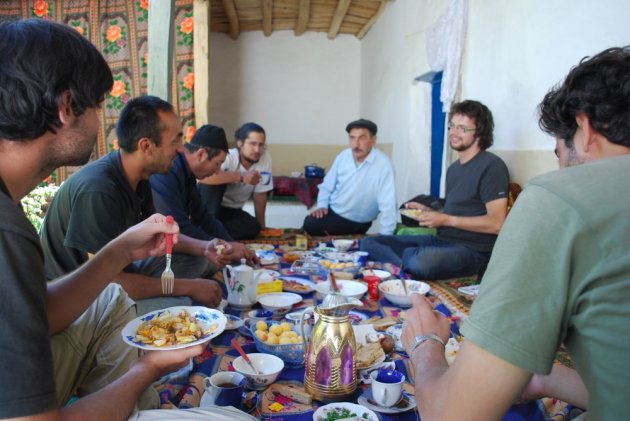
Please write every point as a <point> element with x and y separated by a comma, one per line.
<point>119,29</point>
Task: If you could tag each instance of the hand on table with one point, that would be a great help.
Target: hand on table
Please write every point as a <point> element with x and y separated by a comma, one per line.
<point>421,319</point>
<point>319,213</point>
<point>204,291</point>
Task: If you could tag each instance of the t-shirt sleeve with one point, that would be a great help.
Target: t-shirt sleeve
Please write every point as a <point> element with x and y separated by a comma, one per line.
<point>519,314</point>
<point>95,220</point>
<point>495,182</point>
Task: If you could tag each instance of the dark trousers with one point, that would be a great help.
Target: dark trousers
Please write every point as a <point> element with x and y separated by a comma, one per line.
<point>238,223</point>
<point>333,224</point>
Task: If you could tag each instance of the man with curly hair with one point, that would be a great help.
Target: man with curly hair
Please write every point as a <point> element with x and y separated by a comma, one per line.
<point>474,209</point>
<point>559,273</point>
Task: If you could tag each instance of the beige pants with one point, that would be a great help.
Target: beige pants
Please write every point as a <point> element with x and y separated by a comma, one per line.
<point>90,353</point>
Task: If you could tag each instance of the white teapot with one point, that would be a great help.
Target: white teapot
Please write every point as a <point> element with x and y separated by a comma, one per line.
<point>241,285</point>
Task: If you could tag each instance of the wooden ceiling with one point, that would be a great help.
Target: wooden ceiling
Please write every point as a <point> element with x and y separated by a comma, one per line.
<point>335,17</point>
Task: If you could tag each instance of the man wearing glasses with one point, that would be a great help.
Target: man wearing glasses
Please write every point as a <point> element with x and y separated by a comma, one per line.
<point>245,173</point>
<point>474,210</point>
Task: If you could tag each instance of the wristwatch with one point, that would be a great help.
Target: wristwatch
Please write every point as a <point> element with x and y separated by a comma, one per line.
<point>423,338</point>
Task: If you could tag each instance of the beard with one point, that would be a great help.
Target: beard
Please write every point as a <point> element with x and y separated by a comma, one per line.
<point>462,146</point>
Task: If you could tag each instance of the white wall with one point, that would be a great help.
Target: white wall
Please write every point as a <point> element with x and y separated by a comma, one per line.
<point>515,51</point>
<point>300,89</point>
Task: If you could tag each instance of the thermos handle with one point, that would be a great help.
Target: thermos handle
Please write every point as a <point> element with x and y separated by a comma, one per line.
<point>302,328</point>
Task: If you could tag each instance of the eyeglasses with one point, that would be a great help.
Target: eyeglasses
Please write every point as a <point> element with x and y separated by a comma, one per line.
<point>460,128</point>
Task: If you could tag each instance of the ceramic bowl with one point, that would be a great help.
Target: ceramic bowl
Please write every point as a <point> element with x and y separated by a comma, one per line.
<point>382,274</point>
<point>394,292</point>
<point>279,302</point>
<point>349,289</point>
<point>343,245</point>
<point>269,365</point>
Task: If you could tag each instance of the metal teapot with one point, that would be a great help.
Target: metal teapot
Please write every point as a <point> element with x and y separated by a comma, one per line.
<point>330,373</point>
<point>242,285</point>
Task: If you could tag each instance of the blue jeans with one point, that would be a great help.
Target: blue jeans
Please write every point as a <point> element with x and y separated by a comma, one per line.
<point>425,256</point>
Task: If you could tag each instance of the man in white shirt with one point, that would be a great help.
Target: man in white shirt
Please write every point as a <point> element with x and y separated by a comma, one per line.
<point>246,172</point>
<point>359,186</point>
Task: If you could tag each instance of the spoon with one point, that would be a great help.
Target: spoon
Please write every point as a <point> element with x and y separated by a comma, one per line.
<point>241,351</point>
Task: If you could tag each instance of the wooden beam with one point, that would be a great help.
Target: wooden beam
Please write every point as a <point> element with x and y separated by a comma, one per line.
<point>160,71</point>
<point>372,20</point>
<point>267,12</point>
<point>340,13</point>
<point>230,11</point>
<point>304,14</point>
<point>201,60</point>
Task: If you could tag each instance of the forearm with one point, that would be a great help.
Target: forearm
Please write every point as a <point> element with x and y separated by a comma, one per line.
<point>69,296</point>
<point>223,177</point>
<point>117,400</point>
<point>260,206</point>
<point>485,224</point>
<point>565,384</point>
<point>429,368</point>
<point>191,246</point>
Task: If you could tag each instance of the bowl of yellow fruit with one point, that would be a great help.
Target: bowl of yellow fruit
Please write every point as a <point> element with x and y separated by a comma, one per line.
<point>277,338</point>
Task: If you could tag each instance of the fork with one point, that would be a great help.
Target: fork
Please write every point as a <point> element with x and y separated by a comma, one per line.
<point>168,277</point>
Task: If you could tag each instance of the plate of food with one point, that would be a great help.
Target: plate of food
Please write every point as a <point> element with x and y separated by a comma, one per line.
<point>340,256</point>
<point>412,213</point>
<point>356,317</point>
<point>271,232</point>
<point>259,246</point>
<point>369,355</point>
<point>265,275</point>
<point>297,285</point>
<point>340,410</point>
<point>233,322</point>
<point>174,328</point>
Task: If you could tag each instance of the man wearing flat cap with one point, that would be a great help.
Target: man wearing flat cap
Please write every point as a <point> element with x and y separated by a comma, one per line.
<point>358,186</point>
<point>111,194</point>
<point>175,193</point>
<point>245,174</point>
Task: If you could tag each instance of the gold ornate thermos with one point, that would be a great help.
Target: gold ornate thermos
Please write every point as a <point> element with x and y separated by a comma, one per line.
<point>330,373</point>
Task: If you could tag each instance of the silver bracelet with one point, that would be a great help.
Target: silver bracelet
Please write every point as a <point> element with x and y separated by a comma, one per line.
<point>423,338</point>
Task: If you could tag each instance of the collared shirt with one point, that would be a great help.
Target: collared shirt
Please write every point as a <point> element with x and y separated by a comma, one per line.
<point>176,194</point>
<point>236,194</point>
<point>360,191</point>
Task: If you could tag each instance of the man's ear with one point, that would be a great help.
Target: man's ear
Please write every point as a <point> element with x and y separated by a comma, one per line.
<point>65,112</point>
<point>584,124</point>
<point>239,144</point>
<point>201,154</point>
<point>145,145</point>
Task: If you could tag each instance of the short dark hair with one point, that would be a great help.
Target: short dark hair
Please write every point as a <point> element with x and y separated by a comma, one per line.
<point>243,132</point>
<point>212,152</point>
<point>484,123</point>
<point>138,119</point>
<point>39,61</point>
<point>362,124</point>
<point>598,87</point>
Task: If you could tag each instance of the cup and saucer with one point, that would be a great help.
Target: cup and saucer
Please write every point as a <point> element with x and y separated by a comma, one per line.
<point>385,394</point>
<point>228,389</point>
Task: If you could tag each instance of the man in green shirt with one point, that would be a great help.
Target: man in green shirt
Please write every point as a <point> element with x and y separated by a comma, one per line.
<point>559,273</point>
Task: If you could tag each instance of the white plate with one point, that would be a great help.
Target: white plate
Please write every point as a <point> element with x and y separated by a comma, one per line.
<point>265,275</point>
<point>233,322</point>
<point>360,411</point>
<point>356,317</point>
<point>309,286</point>
<point>470,290</point>
<point>257,246</point>
<point>367,394</point>
<point>206,317</point>
<point>279,300</point>
<point>339,256</point>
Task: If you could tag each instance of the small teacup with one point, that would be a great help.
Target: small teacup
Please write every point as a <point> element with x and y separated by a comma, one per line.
<point>225,388</point>
<point>294,320</point>
<point>387,386</point>
<point>265,177</point>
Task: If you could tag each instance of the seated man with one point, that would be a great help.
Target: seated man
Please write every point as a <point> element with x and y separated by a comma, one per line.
<point>474,209</point>
<point>176,194</point>
<point>559,273</point>
<point>63,337</point>
<point>245,172</point>
<point>111,194</point>
<point>359,186</point>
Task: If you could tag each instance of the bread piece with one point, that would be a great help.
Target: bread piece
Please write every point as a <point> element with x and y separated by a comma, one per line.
<point>368,354</point>
<point>295,393</point>
<point>384,323</point>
